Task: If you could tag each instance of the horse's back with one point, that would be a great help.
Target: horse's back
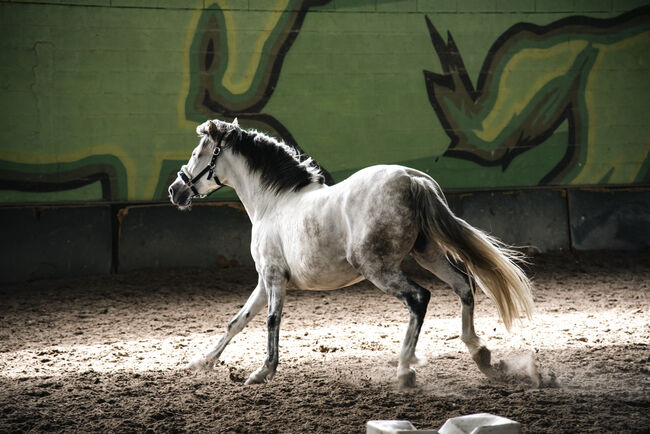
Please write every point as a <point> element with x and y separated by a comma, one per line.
<point>327,231</point>
<point>382,192</point>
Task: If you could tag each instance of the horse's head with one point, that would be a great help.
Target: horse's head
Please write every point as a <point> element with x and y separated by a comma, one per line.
<point>199,177</point>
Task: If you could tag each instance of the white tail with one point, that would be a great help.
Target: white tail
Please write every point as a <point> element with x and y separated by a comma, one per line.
<point>489,261</point>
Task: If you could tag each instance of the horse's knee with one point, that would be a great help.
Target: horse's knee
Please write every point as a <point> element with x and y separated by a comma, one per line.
<point>273,321</point>
<point>235,326</point>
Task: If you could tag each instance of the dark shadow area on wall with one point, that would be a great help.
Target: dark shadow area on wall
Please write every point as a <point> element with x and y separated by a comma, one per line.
<point>59,241</point>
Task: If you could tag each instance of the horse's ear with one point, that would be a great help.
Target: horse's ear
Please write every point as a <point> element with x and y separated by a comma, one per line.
<point>213,130</point>
<point>235,123</point>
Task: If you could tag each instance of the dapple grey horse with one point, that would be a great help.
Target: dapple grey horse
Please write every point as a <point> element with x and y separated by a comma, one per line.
<point>310,235</point>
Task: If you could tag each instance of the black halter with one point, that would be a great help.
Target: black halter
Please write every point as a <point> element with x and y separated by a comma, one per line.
<point>209,169</point>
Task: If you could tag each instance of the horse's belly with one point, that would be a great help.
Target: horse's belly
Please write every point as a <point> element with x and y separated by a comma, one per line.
<point>325,279</point>
<point>325,286</point>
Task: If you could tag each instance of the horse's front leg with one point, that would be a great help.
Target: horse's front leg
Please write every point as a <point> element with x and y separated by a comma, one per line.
<point>253,305</point>
<point>276,285</point>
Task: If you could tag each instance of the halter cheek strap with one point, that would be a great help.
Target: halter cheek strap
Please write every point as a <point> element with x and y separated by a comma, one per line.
<point>209,169</point>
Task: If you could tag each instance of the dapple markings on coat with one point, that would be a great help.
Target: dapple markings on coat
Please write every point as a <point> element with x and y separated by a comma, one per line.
<point>313,236</point>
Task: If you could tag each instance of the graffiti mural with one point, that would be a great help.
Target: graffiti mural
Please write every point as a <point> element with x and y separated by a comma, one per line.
<point>100,104</point>
<point>226,85</point>
<point>533,79</point>
<point>229,80</point>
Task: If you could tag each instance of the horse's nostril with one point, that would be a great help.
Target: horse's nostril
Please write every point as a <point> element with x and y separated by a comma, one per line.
<point>171,192</point>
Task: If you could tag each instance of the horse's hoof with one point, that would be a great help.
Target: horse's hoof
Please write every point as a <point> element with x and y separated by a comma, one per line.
<point>261,376</point>
<point>483,359</point>
<point>256,379</point>
<point>198,364</point>
<point>407,379</point>
<point>482,356</point>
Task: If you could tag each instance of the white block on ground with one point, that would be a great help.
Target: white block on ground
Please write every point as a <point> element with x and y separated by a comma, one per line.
<point>394,427</point>
<point>481,423</point>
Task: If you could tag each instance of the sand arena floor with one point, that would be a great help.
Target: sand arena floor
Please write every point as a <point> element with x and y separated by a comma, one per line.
<point>106,354</point>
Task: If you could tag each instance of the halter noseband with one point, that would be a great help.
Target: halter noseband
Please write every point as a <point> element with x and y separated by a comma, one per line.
<point>209,169</point>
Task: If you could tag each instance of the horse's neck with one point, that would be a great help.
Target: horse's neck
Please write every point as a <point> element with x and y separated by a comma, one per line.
<point>256,199</point>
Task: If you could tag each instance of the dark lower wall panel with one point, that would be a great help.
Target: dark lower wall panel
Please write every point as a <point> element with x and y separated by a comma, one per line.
<point>55,242</point>
<point>534,219</point>
<point>45,242</point>
<point>610,220</point>
<point>162,236</point>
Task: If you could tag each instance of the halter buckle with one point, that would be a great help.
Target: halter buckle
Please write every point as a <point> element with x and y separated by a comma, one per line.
<point>213,161</point>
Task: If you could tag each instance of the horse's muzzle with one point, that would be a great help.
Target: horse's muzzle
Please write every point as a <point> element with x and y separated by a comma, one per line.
<point>179,194</point>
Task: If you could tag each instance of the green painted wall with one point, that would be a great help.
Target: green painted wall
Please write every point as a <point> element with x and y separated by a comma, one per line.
<point>99,99</point>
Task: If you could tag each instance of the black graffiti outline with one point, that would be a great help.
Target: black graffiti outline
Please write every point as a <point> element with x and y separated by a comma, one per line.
<point>450,58</point>
<point>253,112</point>
<point>105,174</point>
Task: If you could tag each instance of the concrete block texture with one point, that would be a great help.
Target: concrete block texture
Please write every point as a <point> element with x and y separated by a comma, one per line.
<point>45,242</point>
<point>533,219</point>
<point>162,236</point>
<point>610,220</point>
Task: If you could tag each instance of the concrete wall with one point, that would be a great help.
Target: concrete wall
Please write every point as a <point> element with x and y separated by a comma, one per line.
<point>51,241</point>
<point>42,242</point>
<point>536,220</point>
<point>602,220</point>
<point>215,235</point>
<point>531,114</point>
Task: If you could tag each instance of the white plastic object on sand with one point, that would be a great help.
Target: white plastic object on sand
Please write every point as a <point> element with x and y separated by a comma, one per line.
<point>481,423</point>
<point>394,427</point>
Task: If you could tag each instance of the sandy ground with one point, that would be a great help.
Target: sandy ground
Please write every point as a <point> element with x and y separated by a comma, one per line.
<point>106,354</point>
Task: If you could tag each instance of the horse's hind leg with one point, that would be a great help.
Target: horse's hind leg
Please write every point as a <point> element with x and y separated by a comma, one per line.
<point>453,274</point>
<point>416,300</point>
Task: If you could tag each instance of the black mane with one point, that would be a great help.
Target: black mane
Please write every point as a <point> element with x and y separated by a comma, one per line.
<point>281,167</point>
